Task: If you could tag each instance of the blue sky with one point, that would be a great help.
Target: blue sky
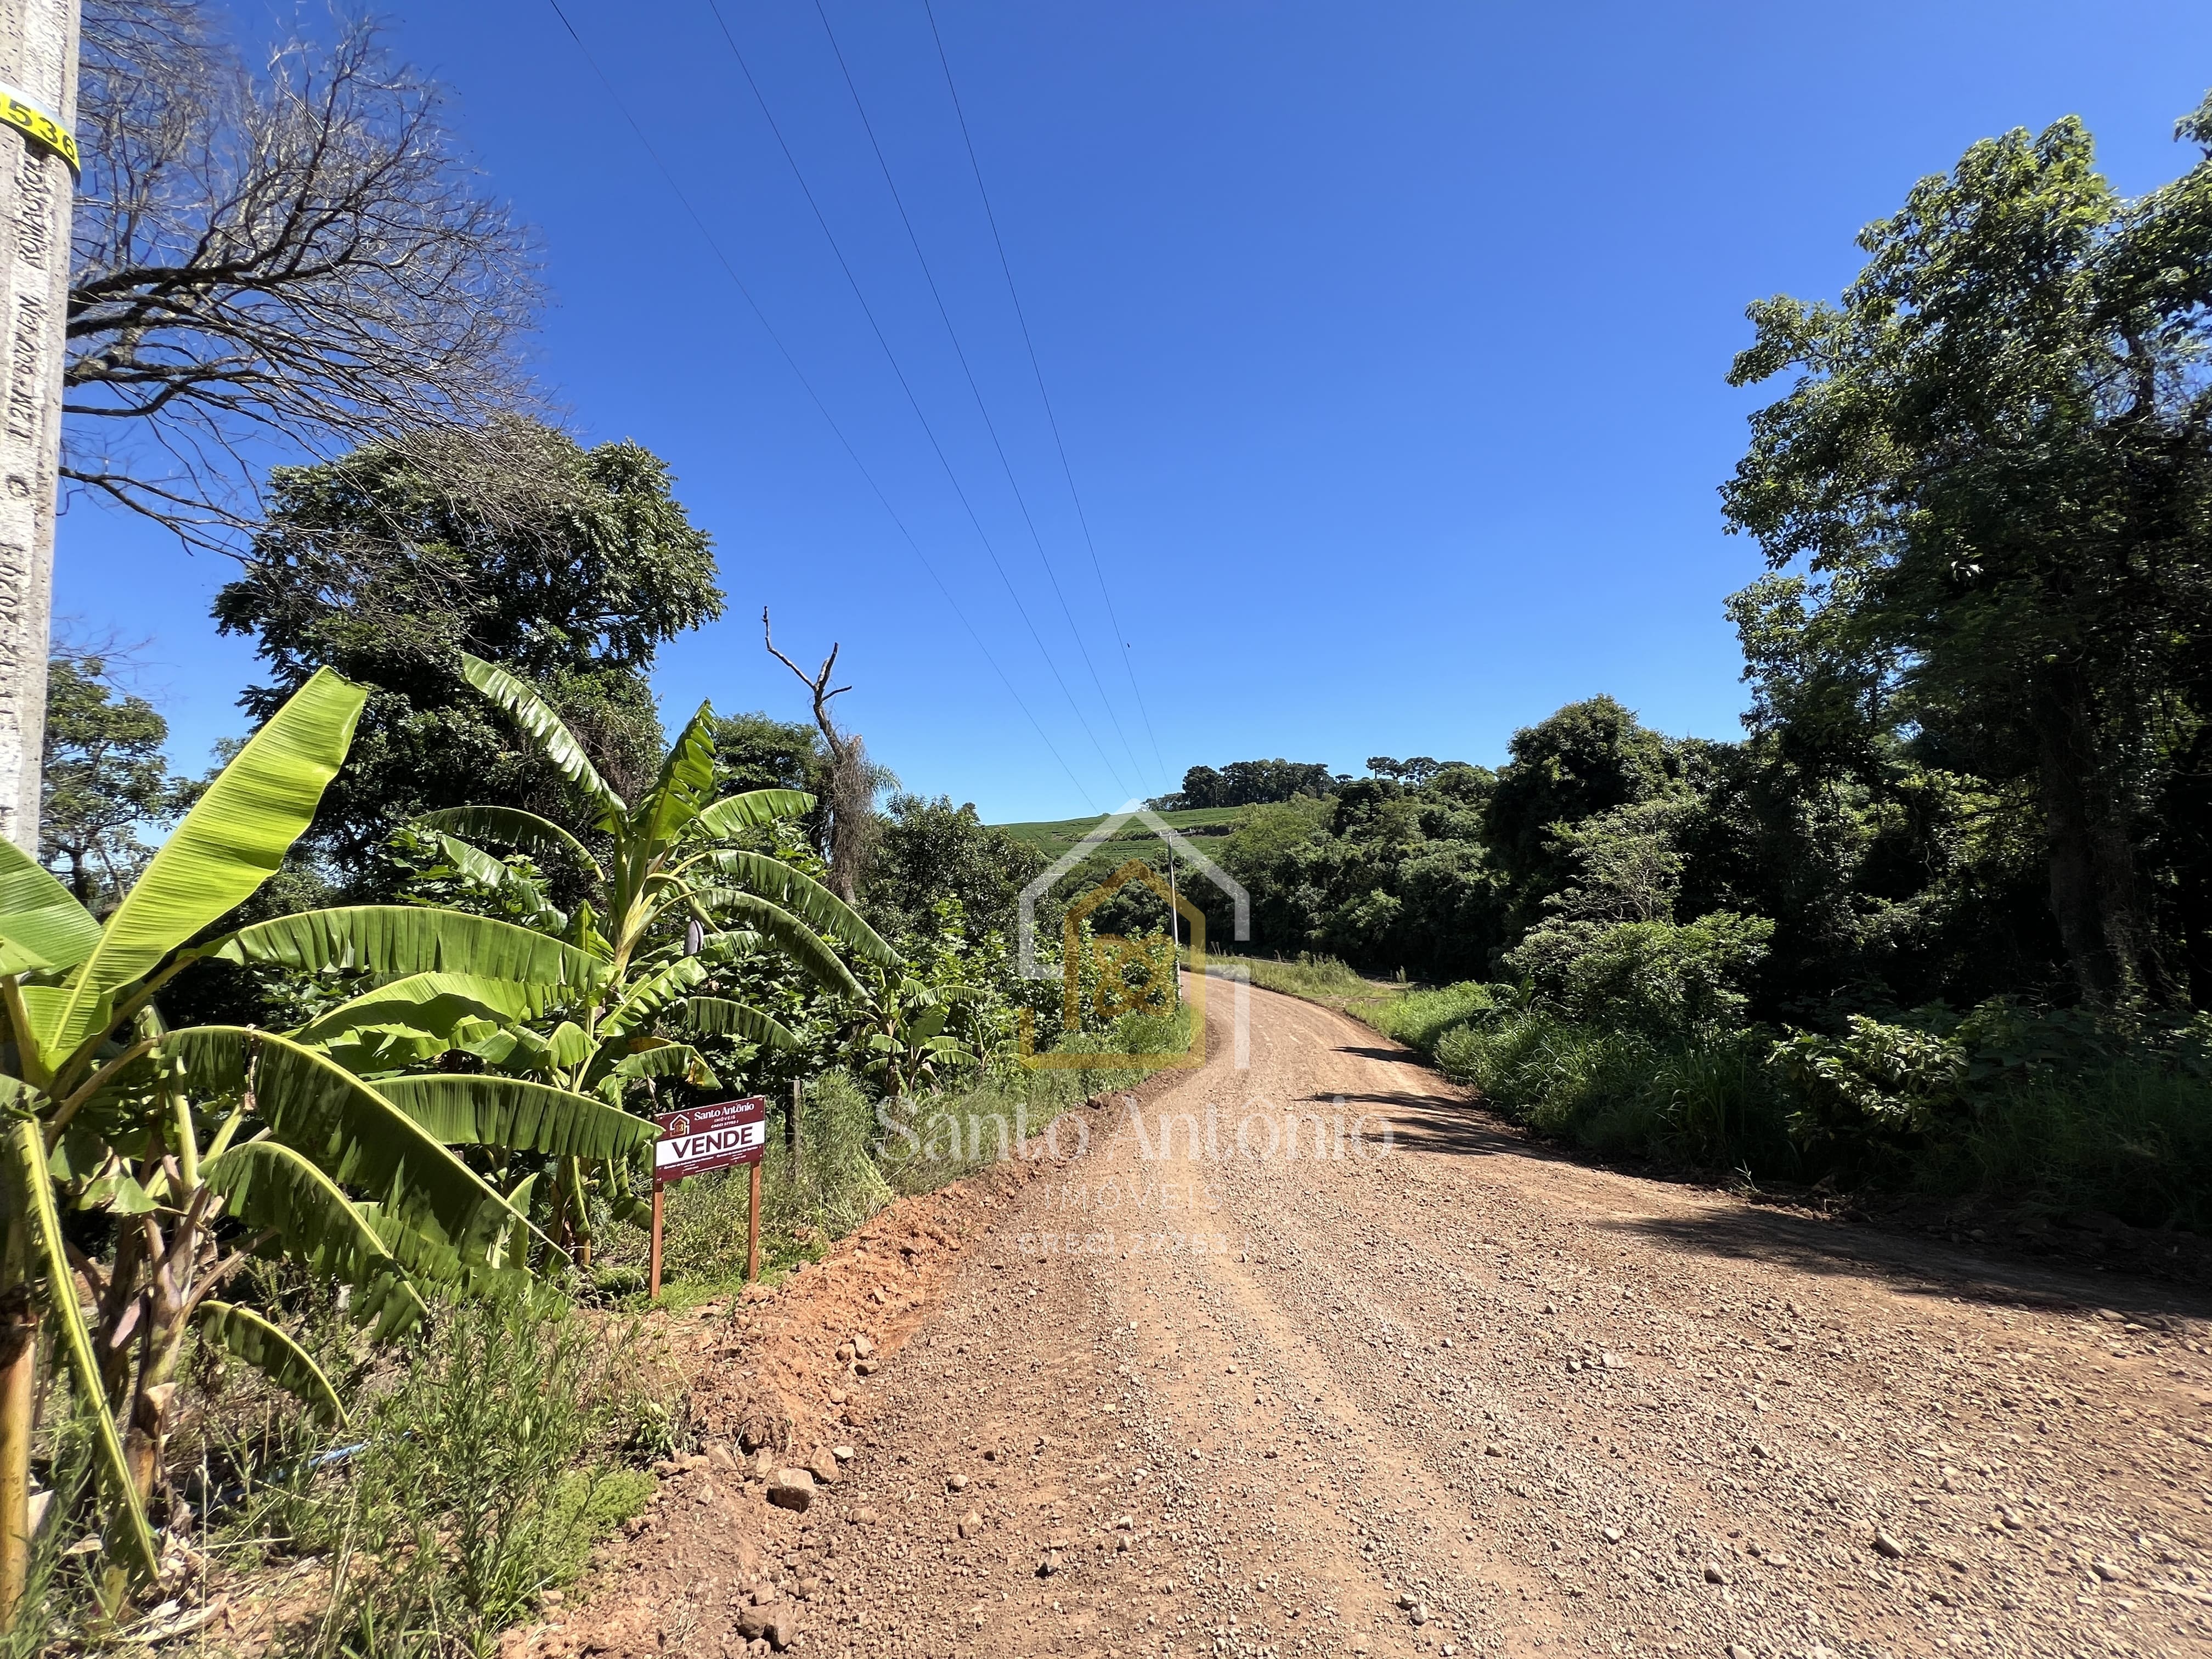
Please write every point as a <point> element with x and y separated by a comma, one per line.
<point>1387,342</point>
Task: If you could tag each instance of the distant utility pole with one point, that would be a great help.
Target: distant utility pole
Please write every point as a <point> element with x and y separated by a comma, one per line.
<point>1174,915</point>
<point>37,178</point>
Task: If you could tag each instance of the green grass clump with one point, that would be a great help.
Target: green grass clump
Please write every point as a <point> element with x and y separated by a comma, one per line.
<point>1324,979</point>
<point>1419,1019</point>
<point>488,1470</point>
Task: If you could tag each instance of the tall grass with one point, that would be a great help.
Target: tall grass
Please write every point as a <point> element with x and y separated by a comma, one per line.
<point>488,1470</point>
<point>2129,1134</point>
<point>2131,1140</point>
<point>1325,979</point>
<point>59,1589</point>
<point>1421,1018</point>
<point>1706,1101</point>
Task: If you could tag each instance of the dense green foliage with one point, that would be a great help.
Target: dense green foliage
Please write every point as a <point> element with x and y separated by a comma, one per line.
<point>105,781</point>
<point>570,567</point>
<point>931,850</point>
<point>1249,783</point>
<point>1941,915</point>
<point>1994,471</point>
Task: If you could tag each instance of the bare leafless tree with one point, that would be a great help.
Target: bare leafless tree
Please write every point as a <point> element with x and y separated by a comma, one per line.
<point>854,781</point>
<point>271,266</point>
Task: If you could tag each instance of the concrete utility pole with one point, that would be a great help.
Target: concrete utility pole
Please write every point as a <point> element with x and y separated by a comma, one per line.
<point>38,176</point>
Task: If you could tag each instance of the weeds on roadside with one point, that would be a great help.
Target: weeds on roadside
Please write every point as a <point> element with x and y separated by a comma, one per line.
<point>1324,979</point>
<point>59,1592</point>
<point>857,1154</point>
<point>488,1470</point>
<point>2123,1126</point>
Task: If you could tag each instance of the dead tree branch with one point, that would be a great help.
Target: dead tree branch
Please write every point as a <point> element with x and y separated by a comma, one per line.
<point>270,267</point>
<point>852,792</point>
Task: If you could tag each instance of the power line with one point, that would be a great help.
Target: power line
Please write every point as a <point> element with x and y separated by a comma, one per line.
<point>760,316</point>
<point>905,385</point>
<point>1037,368</point>
<point>975,391</point>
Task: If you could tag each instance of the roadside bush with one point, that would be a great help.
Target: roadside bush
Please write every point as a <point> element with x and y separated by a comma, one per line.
<point>2052,1106</point>
<point>488,1469</point>
<point>1878,1086</point>
<point>1659,975</point>
<point>2133,1140</point>
<point>1421,1019</point>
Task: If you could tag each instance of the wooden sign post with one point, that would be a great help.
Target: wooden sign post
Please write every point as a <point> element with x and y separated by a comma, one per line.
<point>752,1223</point>
<point>703,1138</point>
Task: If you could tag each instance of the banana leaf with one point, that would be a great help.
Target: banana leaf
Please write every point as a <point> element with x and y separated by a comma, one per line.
<point>544,728</point>
<point>41,926</point>
<point>487,872</point>
<point>755,809</point>
<point>434,1004</point>
<point>347,1129</point>
<point>511,826</point>
<point>515,1114</point>
<point>686,783</point>
<point>720,1017</point>
<point>657,1057</point>
<point>273,1188</point>
<point>231,842</point>
<point>652,992</point>
<point>398,939</point>
<point>800,942</point>
<point>261,1345</point>
<point>800,893</point>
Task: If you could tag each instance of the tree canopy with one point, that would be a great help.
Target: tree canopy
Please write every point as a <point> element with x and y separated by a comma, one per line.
<point>570,567</point>
<point>106,779</point>
<point>1249,783</point>
<point>1993,465</point>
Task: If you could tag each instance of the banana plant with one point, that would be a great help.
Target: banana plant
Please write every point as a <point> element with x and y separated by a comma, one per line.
<point>670,902</point>
<point>206,1147</point>
<point>901,1033</point>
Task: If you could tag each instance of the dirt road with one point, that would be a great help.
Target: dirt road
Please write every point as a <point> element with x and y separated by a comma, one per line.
<point>1437,1391</point>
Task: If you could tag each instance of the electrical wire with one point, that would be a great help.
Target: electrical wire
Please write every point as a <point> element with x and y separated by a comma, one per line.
<point>1037,368</point>
<point>907,387</point>
<point>953,334</point>
<point>791,363</point>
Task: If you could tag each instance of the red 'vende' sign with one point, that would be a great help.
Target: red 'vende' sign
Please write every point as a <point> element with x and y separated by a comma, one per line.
<point>703,1138</point>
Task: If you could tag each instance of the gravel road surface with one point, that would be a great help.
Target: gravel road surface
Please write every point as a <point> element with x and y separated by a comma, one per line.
<point>1418,1386</point>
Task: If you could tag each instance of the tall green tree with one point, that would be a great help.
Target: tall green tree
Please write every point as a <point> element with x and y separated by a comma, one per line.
<point>106,779</point>
<point>931,850</point>
<point>510,541</point>
<point>1590,757</point>
<point>1995,461</point>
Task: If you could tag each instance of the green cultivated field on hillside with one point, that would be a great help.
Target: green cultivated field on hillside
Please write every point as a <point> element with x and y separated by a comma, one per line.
<point>1055,838</point>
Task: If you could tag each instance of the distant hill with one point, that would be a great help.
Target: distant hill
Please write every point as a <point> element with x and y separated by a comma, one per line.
<point>1055,837</point>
